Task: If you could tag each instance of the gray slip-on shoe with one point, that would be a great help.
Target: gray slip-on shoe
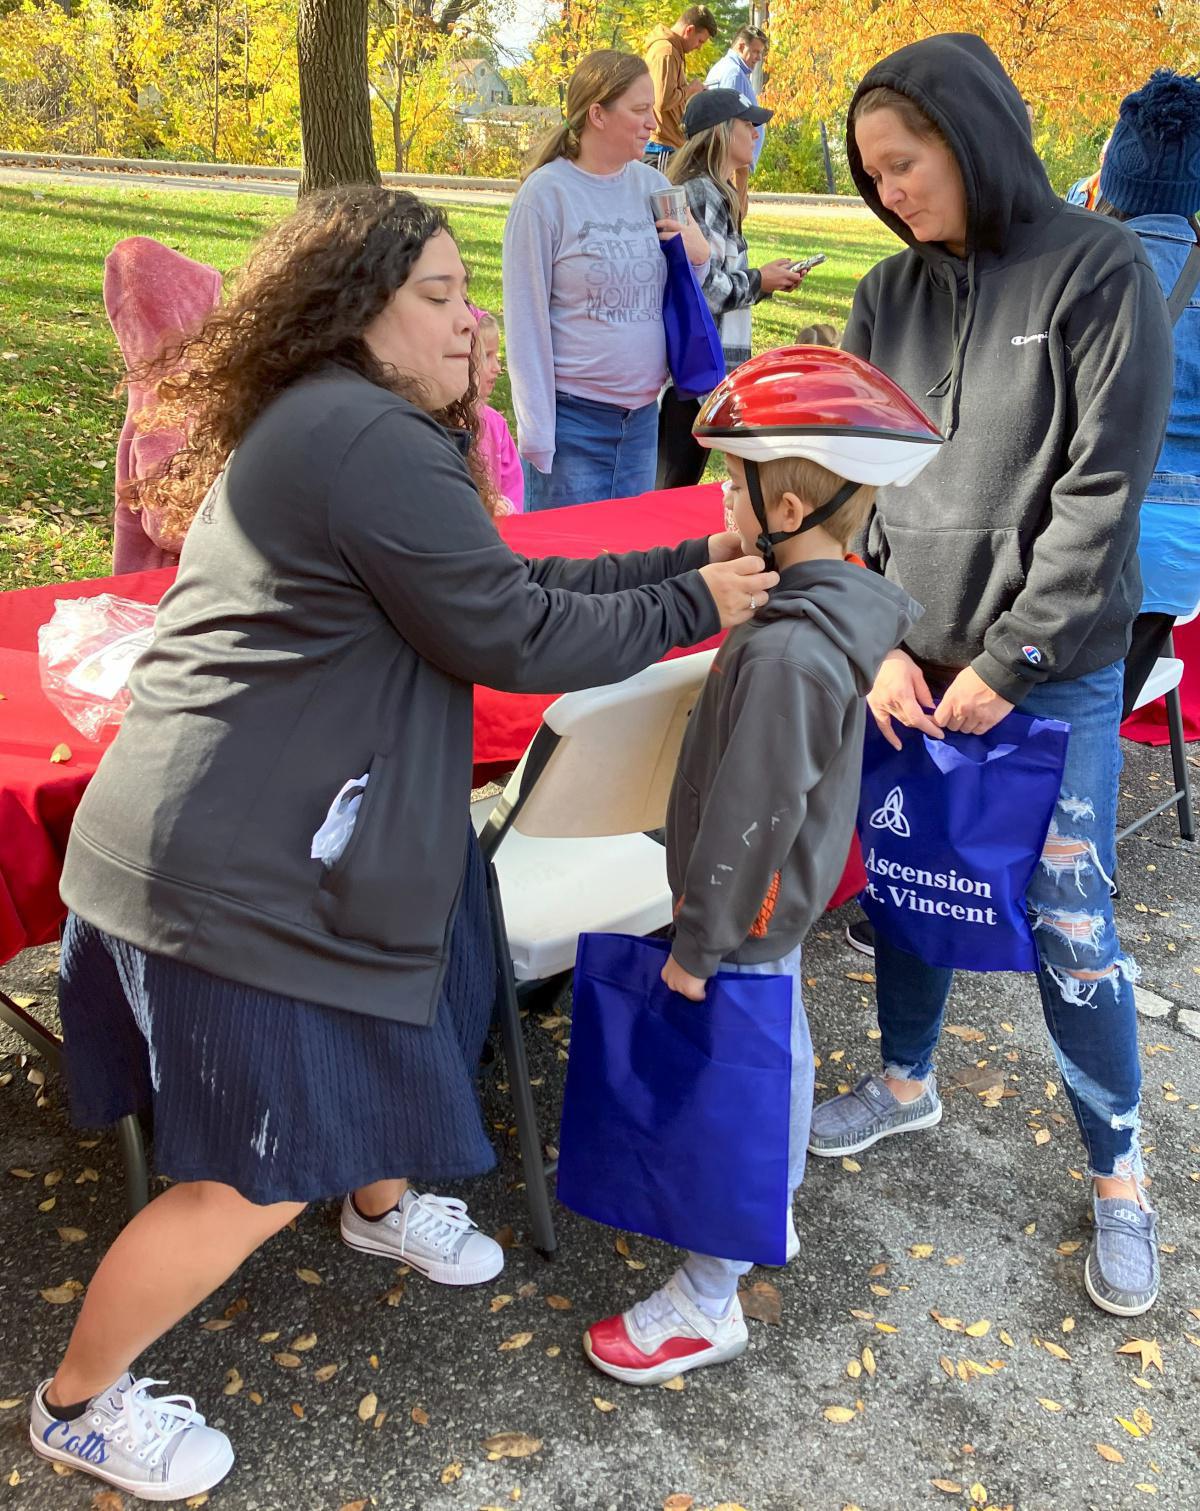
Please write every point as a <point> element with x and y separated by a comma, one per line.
<point>859,1118</point>
<point>1121,1273</point>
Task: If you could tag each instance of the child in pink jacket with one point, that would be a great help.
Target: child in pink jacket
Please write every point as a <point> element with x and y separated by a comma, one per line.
<point>496,443</point>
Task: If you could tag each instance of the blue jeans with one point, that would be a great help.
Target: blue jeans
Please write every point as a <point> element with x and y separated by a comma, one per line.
<point>719,1277</point>
<point>1085,980</point>
<point>600,451</point>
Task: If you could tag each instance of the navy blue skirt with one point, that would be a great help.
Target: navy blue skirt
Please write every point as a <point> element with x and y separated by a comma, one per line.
<point>283,1100</point>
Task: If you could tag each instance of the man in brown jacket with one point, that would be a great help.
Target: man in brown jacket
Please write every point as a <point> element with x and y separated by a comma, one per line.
<point>665,53</point>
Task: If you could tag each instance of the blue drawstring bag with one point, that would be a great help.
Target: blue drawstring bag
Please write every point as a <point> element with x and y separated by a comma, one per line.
<point>675,1113</point>
<point>694,353</point>
<point>951,831</point>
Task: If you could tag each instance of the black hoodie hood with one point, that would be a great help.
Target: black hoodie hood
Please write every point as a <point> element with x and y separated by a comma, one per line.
<point>960,84</point>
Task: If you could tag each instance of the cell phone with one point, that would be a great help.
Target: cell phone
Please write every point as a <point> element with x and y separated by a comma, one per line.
<point>806,265</point>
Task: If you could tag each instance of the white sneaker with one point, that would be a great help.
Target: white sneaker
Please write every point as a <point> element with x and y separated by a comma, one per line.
<point>431,1233</point>
<point>663,1336</point>
<point>154,1447</point>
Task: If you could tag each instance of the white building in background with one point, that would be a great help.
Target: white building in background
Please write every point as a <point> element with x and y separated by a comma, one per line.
<point>477,84</point>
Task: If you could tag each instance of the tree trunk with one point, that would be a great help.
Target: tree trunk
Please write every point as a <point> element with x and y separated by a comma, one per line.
<point>335,105</point>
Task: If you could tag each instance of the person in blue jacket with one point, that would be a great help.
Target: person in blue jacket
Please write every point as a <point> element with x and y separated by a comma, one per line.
<point>1150,179</point>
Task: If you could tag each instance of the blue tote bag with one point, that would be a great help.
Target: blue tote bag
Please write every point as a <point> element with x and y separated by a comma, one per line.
<point>951,831</point>
<point>675,1113</point>
<point>694,354</point>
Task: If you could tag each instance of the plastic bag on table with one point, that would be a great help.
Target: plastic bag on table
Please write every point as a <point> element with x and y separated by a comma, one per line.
<point>85,654</point>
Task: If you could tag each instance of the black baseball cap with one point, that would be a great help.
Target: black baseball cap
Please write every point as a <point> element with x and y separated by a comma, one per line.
<point>712,106</point>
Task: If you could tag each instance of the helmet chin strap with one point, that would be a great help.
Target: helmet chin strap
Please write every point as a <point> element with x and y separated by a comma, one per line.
<point>769,539</point>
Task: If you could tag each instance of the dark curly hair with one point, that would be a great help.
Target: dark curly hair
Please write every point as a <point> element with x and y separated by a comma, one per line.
<point>309,290</point>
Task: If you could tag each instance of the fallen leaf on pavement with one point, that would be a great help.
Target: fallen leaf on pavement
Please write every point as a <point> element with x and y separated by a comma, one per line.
<point>1147,1349</point>
<point>876,1270</point>
<point>558,1303</point>
<point>1049,1404</point>
<point>950,1487</point>
<point>886,1327</point>
<point>309,1277</point>
<point>854,1369</point>
<point>676,1382</point>
<point>304,1342</point>
<point>947,1365</point>
<point>325,1373</point>
<point>921,1250</point>
<point>1055,1350</point>
<point>978,1494</point>
<point>10,1401</point>
<point>72,1235</point>
<point>451,1473</point>
<point>512,1445</point>
<point>233,1383</point>
<point>839,1413</point>
<point>505,1237</point>
<point>103,1500</point>
<point>951,1324</point>
<point>1144,1420</point>
<point>1042,1136</point>
<point>967,1035</point>
<point>355,1506</point>
<point>978,1329</point>
<point>868,1362</point>
<point>518,1340</point>
<point>602,1405</point>
<point>287,1361</point>
<point>679,1503</point>
<point>1070,1246</point>
<point>762,1302</point>
<point>62,1295</point>
<point>420,1416</point>
<point>852,1165</point>
<point>1109,1455</point>
<point>1131,1428</point>
<point>367,1407</point>
<point>498,1303</point>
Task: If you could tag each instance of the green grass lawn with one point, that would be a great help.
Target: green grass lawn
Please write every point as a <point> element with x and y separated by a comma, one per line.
<point>59,365</point>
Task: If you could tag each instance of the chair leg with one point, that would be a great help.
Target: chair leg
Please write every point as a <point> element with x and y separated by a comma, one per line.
<point>133,1156</point>
<point>1179,765</point>
<point>513,1039</point>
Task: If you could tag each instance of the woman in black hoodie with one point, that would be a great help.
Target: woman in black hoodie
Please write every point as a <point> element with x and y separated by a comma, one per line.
<point>1044,333</point>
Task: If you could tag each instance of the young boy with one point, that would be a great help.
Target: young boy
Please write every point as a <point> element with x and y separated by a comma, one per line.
<point>764,800</point>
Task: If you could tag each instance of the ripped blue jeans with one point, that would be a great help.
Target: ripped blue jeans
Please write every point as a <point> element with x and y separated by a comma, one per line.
<point>1085,980</point>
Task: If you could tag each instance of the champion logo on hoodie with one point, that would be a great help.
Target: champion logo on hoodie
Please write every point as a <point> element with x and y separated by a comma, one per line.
<point>1032,654</point>
<point>1029,340</point>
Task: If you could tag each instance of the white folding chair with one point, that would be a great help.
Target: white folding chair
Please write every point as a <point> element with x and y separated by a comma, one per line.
<point>1163,682</point>
<point>568,849</point>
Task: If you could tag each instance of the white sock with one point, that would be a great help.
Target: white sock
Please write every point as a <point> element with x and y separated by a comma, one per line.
<point>715,1307</point>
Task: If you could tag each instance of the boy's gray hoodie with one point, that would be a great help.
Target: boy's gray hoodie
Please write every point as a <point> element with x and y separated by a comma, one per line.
<point>763,804</point>
<point>1048,351</point>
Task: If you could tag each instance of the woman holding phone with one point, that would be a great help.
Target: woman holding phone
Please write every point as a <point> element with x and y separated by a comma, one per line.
<point>722,128</point>
<point>583,293</point>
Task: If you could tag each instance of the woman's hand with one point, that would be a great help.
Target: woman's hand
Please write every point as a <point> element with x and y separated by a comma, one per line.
<point>694,240</point>
<point>726,545</point>
<point>777,276</point>
<point>738,588</point>
<point>901,692</point>
<point>683,982</point>
<point>969,706</point>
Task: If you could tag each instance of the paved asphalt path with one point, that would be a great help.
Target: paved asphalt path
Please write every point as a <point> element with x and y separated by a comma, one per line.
<point>1000,1216</point>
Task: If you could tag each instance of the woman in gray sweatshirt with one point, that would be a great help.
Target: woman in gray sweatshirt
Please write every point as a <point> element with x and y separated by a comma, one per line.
<point>583,291</point>
<point>306,1019</point>
<point>1043,332</point>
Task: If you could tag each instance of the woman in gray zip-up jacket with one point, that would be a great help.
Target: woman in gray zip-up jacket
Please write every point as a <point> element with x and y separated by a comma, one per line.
<point>303,1025</point>
<point>1043,331</point>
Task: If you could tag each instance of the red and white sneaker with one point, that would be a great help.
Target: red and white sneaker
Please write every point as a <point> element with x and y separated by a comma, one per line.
<point>663,1336</point>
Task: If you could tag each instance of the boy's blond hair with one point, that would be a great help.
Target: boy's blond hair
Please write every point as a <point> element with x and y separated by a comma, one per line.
<point>816,485</point>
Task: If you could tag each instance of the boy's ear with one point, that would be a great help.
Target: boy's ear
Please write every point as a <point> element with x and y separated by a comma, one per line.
<point>792,510</point>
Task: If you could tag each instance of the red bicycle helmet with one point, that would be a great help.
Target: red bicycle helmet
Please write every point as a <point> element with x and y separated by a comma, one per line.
<point>823,404</point>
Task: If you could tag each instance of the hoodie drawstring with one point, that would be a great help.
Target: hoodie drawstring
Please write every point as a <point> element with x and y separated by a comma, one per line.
<point>951,381</point>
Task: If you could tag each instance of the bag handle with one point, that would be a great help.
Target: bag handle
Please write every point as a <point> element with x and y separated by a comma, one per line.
<point>948,758</point>
<point>1189,277</point>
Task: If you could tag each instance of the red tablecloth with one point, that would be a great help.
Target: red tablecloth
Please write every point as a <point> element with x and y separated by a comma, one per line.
<point>38,799</point>
<point>1149,725</point>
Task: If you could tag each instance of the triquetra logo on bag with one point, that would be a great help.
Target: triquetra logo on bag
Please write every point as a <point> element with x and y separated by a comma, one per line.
<point>890,815</point>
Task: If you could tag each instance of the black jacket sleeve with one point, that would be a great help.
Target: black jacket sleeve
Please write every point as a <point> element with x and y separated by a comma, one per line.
<point>612,574</point>
<point>1118,343</point>
<point>407,521</point>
